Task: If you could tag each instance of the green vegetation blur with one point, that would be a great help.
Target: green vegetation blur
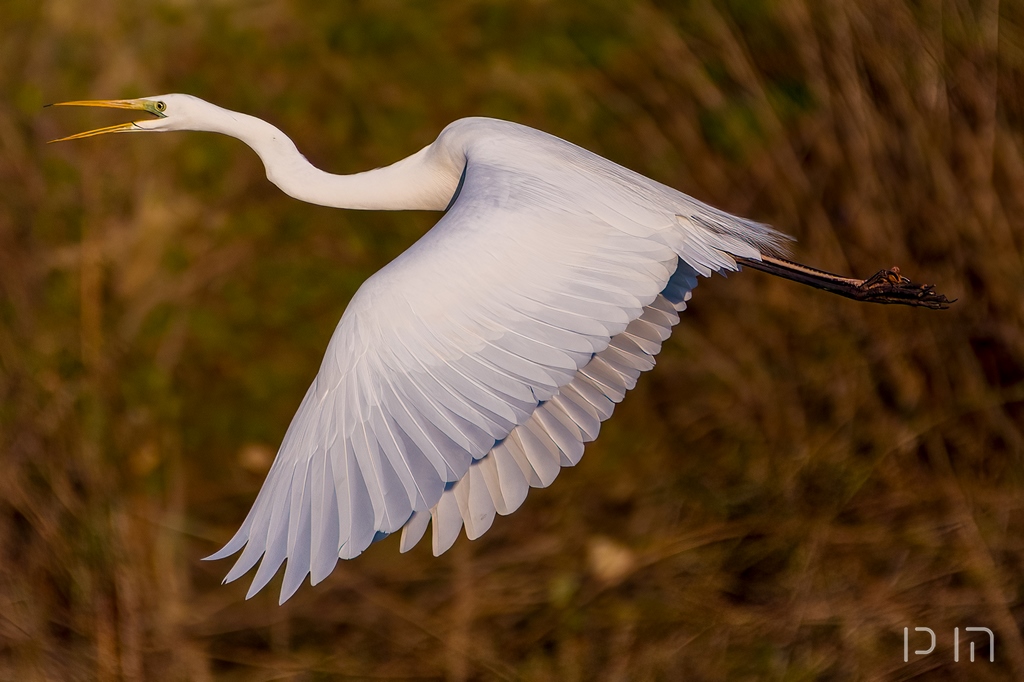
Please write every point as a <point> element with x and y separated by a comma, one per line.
<point>801,477</point>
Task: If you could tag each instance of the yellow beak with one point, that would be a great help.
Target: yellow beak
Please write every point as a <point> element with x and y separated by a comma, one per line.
<point>134,104</point>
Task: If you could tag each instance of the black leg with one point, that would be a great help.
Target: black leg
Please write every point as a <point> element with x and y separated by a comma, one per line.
<point>885,286</point>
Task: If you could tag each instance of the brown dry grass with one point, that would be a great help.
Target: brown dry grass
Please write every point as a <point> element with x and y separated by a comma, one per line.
<point>801,477</point>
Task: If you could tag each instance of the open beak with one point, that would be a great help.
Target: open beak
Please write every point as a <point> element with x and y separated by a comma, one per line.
<point>146,105</point>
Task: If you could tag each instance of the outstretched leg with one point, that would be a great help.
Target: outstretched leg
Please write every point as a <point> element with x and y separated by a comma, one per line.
<point>885,286</point>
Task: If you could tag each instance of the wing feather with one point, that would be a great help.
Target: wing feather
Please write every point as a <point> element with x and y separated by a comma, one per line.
<point>446,522</point>
<point>413,531</point>
<point>479,504</point>
<point>326,539</point>
<point>274,546</point>
<point>513,481</point>
<point>299,541</point>
<point>552,429</point>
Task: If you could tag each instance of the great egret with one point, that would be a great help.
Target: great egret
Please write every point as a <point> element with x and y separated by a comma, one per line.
<point>480,361</point>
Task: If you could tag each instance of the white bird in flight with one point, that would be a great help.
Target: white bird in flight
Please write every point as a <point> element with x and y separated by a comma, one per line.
<point>477,363</point>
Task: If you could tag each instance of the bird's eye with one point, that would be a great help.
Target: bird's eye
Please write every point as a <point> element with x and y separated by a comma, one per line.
<point>160,106</point>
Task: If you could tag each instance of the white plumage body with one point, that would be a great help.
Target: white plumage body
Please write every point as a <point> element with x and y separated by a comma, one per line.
<point>480,361</point>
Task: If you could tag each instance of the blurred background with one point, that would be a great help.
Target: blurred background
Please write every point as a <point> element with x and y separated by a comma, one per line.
<point>801,478</point>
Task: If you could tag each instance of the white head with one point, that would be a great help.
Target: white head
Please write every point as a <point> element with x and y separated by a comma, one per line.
<point>172,112</point>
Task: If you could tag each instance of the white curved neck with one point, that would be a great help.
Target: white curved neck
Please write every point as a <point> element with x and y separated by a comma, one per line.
<point>424,181</point>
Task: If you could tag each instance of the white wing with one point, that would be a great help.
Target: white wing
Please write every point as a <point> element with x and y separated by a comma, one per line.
<point>480,360</point>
